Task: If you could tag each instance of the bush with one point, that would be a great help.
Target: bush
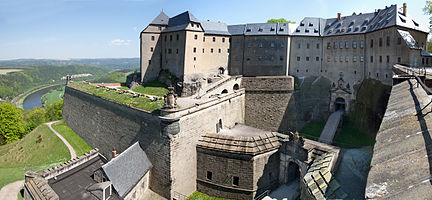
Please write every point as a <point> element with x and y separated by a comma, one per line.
<point>34,118</point>
<point>54,110</point>
<point>11,124</point>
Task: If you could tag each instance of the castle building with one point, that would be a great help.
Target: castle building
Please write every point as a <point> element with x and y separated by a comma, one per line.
<point>354,47</point>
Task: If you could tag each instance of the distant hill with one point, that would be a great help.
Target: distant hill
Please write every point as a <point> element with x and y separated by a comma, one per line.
<point>112,63</point>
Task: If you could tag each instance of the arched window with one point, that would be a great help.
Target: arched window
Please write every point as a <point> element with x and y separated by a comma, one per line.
<point>236,87</point>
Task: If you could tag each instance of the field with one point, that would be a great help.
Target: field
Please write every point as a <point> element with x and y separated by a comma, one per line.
<point>5,71</point>
<point>31,153</point>
<point>80,146</point>
<point>53,95</point>
<point>129,100</point>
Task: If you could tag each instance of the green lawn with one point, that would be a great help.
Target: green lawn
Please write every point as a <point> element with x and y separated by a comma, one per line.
<point>153,88</point>
<point>53,95</point>
<point>348,137</point>
<point>201,196</point>
<point>28,154</point>
<point>129,100</point>
<point>123,88</point>
<point>80,146</point>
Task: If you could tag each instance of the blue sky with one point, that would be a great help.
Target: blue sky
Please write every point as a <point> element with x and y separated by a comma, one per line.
<point>110,28</point>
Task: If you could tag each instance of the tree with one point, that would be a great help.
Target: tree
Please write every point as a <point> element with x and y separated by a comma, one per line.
<point>280,20</point>
<point>11,125</point>
<point>428,11</point>
<point>34,118</point>
<point>54,110</point>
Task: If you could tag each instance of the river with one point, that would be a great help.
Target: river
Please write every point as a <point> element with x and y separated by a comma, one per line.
<point>35,99</point>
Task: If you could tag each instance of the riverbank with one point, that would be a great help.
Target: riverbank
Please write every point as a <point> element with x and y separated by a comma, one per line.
<point>19,100</point>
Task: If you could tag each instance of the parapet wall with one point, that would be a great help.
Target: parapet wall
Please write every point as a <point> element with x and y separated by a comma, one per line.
<point>104,124</point>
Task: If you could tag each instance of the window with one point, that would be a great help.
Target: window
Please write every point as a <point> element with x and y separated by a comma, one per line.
<point>335,45</point>
<point>165,38</point>
<point>362,44</point>
<point>317,46</point>
<point>346,45</point>
<point>203,39</point>
<point>371,45</point>
<point>151,49</point>
<point>341,45</point>
<point>346,58</point>
<point>328,45</point>
<point>211,50</point>
<point>355,72</point>
<point>307,45</point>
<point>399,59</point>
<point>194,49</point>
<point>281,58</point>
<point>160,27</point>
<point>170,37</point>
<point>354,45</point>
<point>220,51</point>
<point>228,50</point>
<point>340,59</point>
<point>196,37</point>
<point>298,58</point>
<point>335,58</point>
<point>307,58</point>
<point>328,58</point>
<point>388,59</point>
<point>203,50</point>
<point>237,58</point>
<point>380,42</point>
<point>194,58</point>
<point>317,58</point>
<point>298,45</point>
<point>152,38</point>
<point>169,51</point>
<point>247,59</point>
<point>260,45</point>
<point>361,59</point>
<point>423,61</point>
<point>388,41</point>
<point>223,39</point>
<point>272,44</point>
<point>249,45</point>
<point>192,25</point>
<point>176,51</point>
<point>259,57</point>
<point>399,41</point>
<point>177,37</point>
<point>237,45</point>
<point>282,45</point>
<point>427,61</point>
<point>209,175</point>
<point>214,39</point>
<point>149,62</point>
<point>236,180</point>
<point>380,59</point>
<point>355,59</point>
<point>371,59</point>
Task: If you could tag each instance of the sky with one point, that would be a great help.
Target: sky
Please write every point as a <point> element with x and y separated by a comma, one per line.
<point>62,29</point>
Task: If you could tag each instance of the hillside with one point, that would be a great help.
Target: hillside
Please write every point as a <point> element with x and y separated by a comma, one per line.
<point>112,63</point>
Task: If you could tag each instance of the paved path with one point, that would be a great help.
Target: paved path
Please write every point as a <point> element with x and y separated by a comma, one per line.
<point>10,191</point>
<point>330,128</point>
<point>71,149</point>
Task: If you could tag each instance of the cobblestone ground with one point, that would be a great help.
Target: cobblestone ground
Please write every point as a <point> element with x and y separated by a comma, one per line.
<point>353,170</point>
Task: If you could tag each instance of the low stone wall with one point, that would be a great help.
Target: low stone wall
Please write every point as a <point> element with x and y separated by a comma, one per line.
<point>104,124</point>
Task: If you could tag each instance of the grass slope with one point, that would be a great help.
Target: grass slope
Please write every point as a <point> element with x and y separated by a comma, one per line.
<point>153,88</point>
<point>28,154</point>
<point>80,146</point>
<point>129,100</point>
<point>201,196</point>
<point>53,95</point>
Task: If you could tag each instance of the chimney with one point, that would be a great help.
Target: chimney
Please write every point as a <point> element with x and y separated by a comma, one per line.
<point>404,9</point>
<point>339,16</point>
<point>114,153</point>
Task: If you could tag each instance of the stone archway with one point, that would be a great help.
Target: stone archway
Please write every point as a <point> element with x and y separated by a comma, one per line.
<point>339,104</point>
<point>293,172</point>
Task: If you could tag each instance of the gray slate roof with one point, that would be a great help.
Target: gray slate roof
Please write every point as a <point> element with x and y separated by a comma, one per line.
<point>125,170</point>
<point>409,40</point>
<point>425,53</point>
<point>308,27</point>
<point>161,19</point>
<point>262,29</point>
<point>183,18</point>
<point>217,28</point>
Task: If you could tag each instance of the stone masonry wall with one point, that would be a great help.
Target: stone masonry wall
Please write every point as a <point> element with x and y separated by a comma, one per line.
<point>104,124</point>
<point>285,104</point>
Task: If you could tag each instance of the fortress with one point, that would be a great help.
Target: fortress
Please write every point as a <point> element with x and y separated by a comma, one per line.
<point>240,87</point>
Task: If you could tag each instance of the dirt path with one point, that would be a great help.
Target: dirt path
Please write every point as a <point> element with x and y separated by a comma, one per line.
<point>10,191</point>
<point>71,149</point>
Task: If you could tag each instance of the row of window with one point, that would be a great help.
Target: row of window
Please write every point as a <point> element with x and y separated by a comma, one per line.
<point>260,58</point>
<point>178,38</point>
<point>169,51</point>
<point>347,45</point>
<point>308,45</point>
<point>354,59</point>
<point>235,179</point>
<point>307,58</point>
<point>260,45</point>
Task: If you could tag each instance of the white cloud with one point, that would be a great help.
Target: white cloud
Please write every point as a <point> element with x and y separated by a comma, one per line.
<point>120,42</point>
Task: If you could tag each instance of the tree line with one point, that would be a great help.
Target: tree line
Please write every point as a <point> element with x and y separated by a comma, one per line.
<point>15,122</point>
